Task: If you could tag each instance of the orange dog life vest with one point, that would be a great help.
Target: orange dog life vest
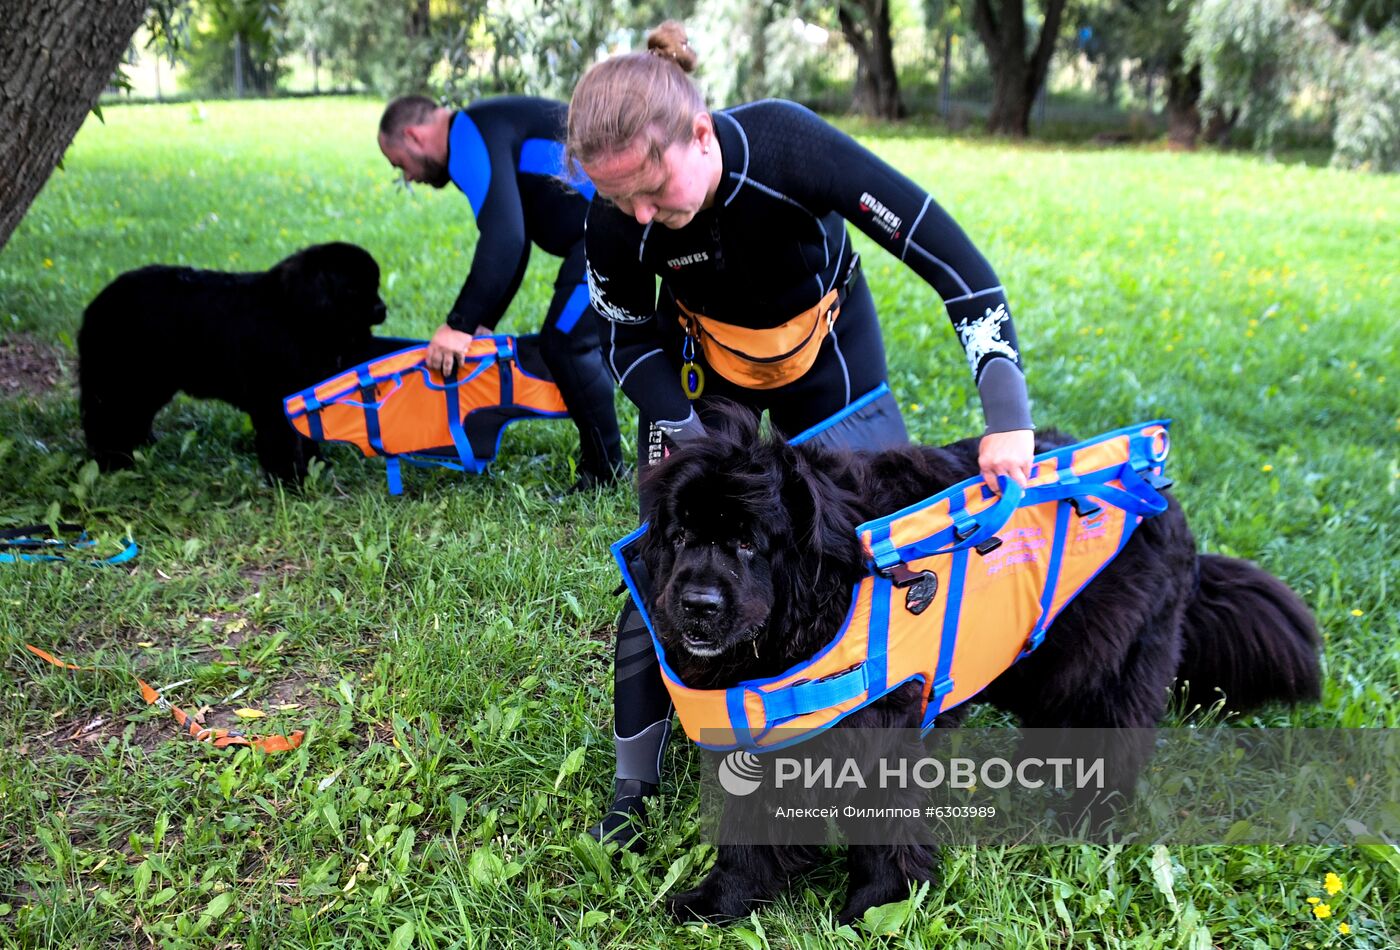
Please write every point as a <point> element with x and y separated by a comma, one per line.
<point>396,407</point>
<point>958,588</point>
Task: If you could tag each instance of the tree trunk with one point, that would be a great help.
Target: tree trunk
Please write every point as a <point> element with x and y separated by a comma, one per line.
<point>57,57</point>
<point>1183,92</point>
<point>866,26</point>
<point>945,78</point>
<point>1018,73</point>
<point>419,20</point>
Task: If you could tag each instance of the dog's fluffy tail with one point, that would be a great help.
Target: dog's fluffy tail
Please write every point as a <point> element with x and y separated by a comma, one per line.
<point>1248,637</point>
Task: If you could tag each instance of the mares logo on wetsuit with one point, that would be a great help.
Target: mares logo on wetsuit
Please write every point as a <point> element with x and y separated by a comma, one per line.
<point>677,263</point>
<point>883,216</point>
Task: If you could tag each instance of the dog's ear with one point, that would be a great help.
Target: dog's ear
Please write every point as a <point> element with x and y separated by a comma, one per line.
<point>305,286</point>
<point>819,504</point>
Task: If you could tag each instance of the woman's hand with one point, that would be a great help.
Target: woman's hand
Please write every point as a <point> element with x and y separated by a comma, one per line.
<point>1006,453</point>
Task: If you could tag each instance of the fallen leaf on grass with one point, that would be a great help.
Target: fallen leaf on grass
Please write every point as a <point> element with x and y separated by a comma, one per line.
<point>246,713</point>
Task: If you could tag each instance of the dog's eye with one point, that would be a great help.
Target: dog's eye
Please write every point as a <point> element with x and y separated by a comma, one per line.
<point>746,546</point>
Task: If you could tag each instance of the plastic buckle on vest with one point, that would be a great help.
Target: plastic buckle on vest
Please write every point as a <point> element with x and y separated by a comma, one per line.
<point>901,576</point>
<point>988,546</point>
<point>1085,507</point>
<point>920,587</point>
<point>1158,481</point>
<point>504,350</point>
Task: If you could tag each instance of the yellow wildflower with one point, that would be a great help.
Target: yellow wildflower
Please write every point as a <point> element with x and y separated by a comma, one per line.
<point>1267,468</point>
<point>1357,613</point>
<point>1343,928</point>
<point>48,262</point>
<point>1322,911</point>
<point>1331,884</point>
<point>1314,900</point>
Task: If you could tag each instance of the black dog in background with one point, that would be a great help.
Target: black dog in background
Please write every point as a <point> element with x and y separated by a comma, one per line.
<point>753,554</point>
<point>249,339</point>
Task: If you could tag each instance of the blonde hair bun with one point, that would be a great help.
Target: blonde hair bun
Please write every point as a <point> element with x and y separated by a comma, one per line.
<point>669,42</point>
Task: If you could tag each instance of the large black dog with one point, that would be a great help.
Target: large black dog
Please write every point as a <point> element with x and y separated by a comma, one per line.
<point>249,339</point>
<point>752,555</point>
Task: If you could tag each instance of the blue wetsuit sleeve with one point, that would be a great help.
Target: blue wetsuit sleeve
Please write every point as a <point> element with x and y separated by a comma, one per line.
<point>485,171</point>
<point>841,175</point>
<point>623,293</point>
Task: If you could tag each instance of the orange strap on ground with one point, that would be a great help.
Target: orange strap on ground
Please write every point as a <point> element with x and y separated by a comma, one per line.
<point>219,738</point>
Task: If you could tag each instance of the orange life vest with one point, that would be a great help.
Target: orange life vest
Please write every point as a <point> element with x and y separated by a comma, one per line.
<point>396,407</point>
<point>999,566</point>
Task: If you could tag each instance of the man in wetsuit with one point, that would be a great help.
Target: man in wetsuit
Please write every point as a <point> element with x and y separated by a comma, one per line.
<point>505,154</point>
<point>742,213</point>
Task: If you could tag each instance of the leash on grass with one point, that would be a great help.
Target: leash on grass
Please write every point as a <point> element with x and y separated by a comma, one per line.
<point>31,543</point>
<point>219,738</point>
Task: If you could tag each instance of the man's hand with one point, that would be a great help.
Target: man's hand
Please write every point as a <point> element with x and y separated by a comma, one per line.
<point>1006,453</point>
<point>447,348</point>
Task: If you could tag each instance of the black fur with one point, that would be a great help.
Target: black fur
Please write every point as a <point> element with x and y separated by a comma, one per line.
<point>249,339</point>
<point>752,554</point>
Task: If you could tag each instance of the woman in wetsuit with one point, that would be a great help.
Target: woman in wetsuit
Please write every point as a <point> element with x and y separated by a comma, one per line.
<point>742,213</point>
<point>505,154</point>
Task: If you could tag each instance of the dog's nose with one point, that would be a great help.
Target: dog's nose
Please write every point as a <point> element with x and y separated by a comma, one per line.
<point>701,601</point>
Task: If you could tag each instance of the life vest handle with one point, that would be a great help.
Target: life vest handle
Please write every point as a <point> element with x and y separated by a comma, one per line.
<point>483,364</point>
<point>987,522</point>
<point>1136,497</point>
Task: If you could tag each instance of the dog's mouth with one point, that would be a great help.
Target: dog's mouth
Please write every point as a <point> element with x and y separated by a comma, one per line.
<point>704,647</point>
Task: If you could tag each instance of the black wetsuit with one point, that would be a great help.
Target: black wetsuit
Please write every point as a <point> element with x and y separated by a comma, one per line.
<point>505,154</point>
<point>770,246</point>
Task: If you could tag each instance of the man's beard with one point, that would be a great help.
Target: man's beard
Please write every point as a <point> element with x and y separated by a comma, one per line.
<point>435,173</point>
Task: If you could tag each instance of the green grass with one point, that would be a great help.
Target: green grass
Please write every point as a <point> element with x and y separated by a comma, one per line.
<point>449,650</point>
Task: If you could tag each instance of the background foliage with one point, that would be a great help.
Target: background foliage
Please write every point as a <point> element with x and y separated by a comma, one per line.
<point>1272,72</point>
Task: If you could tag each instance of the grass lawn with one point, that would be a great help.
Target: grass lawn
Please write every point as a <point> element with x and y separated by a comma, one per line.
<point>449,651</point>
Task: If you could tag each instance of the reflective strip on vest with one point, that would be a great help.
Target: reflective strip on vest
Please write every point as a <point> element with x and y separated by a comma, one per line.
<point>1081,505</point>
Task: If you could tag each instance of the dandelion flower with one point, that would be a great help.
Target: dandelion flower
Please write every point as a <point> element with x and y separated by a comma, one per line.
<point>1267,468</point>
<point>1322,911</point>
<point>1314,900</point>
<point>48,262</point>
<point>1358,613</point>
<point>1344,928</point>
<point>1332,884</point>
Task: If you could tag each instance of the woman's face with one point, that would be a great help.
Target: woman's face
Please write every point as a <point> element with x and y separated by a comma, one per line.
<point>670,191</point>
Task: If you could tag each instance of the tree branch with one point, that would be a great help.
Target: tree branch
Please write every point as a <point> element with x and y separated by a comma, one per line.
<point>1045,45</point>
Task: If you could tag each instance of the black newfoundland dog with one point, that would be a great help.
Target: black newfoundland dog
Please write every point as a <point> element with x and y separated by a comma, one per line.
<point>249,339</point>
<point>752,554</point>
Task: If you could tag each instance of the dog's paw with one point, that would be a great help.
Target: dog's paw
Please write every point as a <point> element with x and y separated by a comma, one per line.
<point>706,905</point>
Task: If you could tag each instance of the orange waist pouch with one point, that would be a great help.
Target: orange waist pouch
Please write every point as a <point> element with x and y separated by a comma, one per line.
<point>763,359</point>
